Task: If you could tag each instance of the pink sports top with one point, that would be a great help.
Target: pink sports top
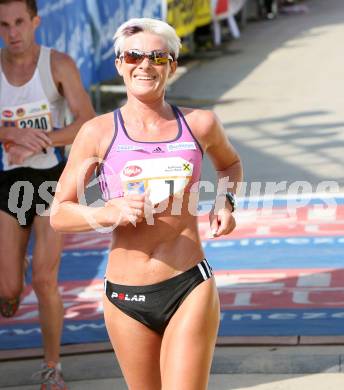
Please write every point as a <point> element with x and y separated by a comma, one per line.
<point>165,168</point>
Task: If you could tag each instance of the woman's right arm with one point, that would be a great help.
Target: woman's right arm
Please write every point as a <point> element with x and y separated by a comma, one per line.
<point>67,213</point>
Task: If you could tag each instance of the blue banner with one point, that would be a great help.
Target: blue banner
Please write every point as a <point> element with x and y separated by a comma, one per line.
<point>107,16</point>
<point>66,27</point>
<point>84,30</point>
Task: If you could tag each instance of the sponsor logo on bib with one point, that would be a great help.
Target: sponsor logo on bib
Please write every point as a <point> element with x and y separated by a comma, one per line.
<point>7,114</point>
<point>20,112</point>
<point>186,167</point>
<point>132,170</point>
<point>135,187</point>
<point>9,123</point>
<point>34,110</point>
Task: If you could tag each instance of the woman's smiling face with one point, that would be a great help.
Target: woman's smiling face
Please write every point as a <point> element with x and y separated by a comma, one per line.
<point>145,79</point>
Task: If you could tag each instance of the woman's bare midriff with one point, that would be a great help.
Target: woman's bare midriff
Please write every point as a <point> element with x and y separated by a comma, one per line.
<point>148,254</point>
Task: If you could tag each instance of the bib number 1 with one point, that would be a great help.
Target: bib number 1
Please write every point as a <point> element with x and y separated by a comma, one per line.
<point>171,184</point>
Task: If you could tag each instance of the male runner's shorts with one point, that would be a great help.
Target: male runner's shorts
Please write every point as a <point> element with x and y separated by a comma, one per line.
<point>27,192</point>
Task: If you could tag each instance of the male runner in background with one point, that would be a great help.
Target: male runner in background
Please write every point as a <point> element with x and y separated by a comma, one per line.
<point>35,84</point>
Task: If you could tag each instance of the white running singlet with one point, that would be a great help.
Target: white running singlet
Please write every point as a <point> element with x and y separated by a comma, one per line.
<point>36,104</point>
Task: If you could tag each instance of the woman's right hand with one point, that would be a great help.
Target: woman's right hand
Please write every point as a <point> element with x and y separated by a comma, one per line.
<point>128,209</point>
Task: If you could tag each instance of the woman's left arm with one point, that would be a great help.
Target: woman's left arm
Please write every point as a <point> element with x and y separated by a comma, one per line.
<point>227,164</point>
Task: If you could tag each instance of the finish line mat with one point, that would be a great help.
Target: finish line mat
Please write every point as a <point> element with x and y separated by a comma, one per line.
<point>281,273</point>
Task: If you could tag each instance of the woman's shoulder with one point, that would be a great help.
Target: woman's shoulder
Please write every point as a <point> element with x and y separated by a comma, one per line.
<point>96,128</point>
<point>201,121</point>
<point>99,123</point>
<point>102,119</point>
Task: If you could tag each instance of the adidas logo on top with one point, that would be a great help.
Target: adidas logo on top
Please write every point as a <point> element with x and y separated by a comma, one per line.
<point>157,150</point>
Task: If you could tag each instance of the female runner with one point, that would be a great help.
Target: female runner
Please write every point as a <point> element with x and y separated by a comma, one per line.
<point>161,304</point>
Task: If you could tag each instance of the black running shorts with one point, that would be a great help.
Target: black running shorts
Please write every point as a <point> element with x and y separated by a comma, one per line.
<point>27,192</point>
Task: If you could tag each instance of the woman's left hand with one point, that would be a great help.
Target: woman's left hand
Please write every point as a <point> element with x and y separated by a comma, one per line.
<point>221,223</point>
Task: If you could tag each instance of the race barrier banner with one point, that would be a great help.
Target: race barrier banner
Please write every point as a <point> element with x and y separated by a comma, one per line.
<point>186,15</point>
<point>280,273</point>
<point>203,12</point>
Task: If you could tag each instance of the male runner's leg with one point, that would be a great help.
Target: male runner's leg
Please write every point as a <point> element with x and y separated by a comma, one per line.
<point>45,267</point>
<point>13,243</point>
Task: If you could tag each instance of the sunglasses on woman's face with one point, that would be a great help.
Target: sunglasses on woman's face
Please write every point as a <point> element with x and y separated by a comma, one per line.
<point>157,57</point>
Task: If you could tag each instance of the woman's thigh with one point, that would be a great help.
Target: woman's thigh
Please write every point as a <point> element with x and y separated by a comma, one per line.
<point>189,340</point>
<point>137,348</point>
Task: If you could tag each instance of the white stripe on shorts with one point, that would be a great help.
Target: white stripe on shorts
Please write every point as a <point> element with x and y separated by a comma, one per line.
<point>207,267</point>
<point>201,270</point>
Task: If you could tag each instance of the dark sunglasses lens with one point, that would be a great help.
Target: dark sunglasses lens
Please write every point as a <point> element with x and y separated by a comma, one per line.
<point>156,56</point>
<point>160,57</point>
<point>133,57</point>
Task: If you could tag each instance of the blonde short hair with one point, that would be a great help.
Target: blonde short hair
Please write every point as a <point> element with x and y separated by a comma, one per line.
<point>154,26</point>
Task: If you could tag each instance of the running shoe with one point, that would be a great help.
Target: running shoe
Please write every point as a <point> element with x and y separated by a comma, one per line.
<point>50,377</point>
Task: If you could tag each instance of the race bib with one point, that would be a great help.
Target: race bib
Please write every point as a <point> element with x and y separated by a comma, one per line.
<point>35,115</point>
<point>163,177</point>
